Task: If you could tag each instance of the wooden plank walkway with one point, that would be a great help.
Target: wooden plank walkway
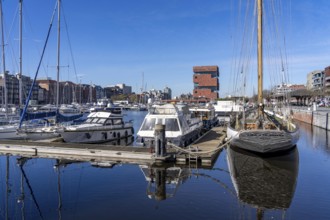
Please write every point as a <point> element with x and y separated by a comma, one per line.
<point>207,147</point>
<point>82,152</point>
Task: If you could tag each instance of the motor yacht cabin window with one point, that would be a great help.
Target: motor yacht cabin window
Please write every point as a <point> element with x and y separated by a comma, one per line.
<point>149,124</point>
<point>94,120</point>
<point>89,120</point>
<point>108,122</point>
<point>171,124</point>
<point>117,121</point>
<point>101,120</point>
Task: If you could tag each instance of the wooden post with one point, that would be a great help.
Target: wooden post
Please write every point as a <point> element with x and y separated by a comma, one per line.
<point>160,140</point>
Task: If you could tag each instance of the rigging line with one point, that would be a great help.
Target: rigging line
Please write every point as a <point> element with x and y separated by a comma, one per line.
<point>27,20</point>
<point>243,49</point>
<point>9,37</point>
<point>31,191</point>
<point>36,74</point>
<point>235,53</point>
<point>70,45</point>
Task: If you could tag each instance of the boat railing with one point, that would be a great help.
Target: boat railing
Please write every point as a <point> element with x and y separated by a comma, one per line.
<point>163,111</point>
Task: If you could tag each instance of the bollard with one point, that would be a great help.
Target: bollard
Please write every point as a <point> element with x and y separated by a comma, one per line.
<point>160,140</point>
<point>314,106</point>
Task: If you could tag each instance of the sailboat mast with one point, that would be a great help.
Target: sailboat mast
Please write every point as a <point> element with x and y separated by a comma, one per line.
<point>3,61</point>
<point>20,53</point>
<point>58,52</point>
<point>260,66</point>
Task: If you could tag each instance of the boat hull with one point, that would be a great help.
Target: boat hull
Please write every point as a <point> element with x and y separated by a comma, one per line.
<point>9,132</point>
<point>263,141</point>
<point>96,136</point>
<point>180,141</point>
<point>41,135</point>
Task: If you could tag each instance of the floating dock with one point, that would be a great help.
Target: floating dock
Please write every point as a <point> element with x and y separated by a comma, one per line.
<point>205,150</point>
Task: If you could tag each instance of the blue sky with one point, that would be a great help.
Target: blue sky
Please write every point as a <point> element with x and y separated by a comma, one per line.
<point>118,41</point>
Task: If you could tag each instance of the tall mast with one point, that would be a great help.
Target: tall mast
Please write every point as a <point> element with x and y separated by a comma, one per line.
<point>20,53</point>
<point>260,78</point>
<point>3,61</point>
<point>58,52</point>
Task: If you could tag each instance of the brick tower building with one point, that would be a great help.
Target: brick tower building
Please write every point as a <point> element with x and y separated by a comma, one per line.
<point>206,82</point>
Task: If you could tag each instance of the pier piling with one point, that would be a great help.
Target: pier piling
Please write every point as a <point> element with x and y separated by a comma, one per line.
<point>160,140</point>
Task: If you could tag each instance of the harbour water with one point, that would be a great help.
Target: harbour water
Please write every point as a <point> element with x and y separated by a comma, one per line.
<point>237,186</point>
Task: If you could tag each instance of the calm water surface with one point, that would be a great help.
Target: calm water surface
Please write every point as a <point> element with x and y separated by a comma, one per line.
<point>237,186</point>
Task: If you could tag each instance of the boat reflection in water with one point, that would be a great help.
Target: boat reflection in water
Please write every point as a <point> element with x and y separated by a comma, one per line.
<point>163,181</point>
<point>264,182</point>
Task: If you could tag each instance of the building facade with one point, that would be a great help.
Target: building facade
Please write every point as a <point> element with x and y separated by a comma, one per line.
<point>327,81</point>
<point>206,82</point>
<point>167,93</point>
<point>12,84</point>
<point>317,80</point>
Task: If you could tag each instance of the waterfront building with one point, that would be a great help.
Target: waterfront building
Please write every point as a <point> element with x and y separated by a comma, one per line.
<point>206,82</point>
<point>317,80</point>
<point>49,87</point>
<point>327,81</point>
<point>12,84</point>
<point>282,89</point>
<point>99,92</point>
<point>118,89</point>
<point>126,90</point>
<point>167,93</point>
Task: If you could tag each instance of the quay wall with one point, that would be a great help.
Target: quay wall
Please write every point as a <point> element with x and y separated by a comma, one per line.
<point>316,118</point>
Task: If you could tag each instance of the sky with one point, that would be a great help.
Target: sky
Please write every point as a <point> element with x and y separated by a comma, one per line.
<point>154,42</point>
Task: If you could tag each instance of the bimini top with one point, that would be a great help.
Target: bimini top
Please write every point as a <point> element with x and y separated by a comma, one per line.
<point>167,109</point>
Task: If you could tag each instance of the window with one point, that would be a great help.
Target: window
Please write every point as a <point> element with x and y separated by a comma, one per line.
<point>117,121</point>
<point>148,124</point>
<point>94,120</point>
<point>108,122</point>
<point>171,124</point>
<point>101,120</point>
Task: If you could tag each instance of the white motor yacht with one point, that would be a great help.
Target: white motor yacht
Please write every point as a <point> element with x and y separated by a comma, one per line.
<point>180,128</point>
<point>100,127</point>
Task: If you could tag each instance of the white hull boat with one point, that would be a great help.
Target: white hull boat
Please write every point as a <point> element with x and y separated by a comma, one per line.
<point>180,128</point>
<point>9,132</point>
<point>100,127</point>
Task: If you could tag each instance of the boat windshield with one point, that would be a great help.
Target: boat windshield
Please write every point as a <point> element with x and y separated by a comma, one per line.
<point>171,124</point>
<point>95,120</point>
<point>149,124</point>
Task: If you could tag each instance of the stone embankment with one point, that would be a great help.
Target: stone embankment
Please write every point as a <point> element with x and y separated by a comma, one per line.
<point>316,118</point>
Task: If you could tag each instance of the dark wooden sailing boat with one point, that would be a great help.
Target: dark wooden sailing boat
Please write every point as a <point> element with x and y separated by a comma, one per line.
<point>259,130</point>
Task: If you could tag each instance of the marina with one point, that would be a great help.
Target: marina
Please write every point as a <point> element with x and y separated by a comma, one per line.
<point>54,185</point>
<point>175,110</point>
<point>207,145</point>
